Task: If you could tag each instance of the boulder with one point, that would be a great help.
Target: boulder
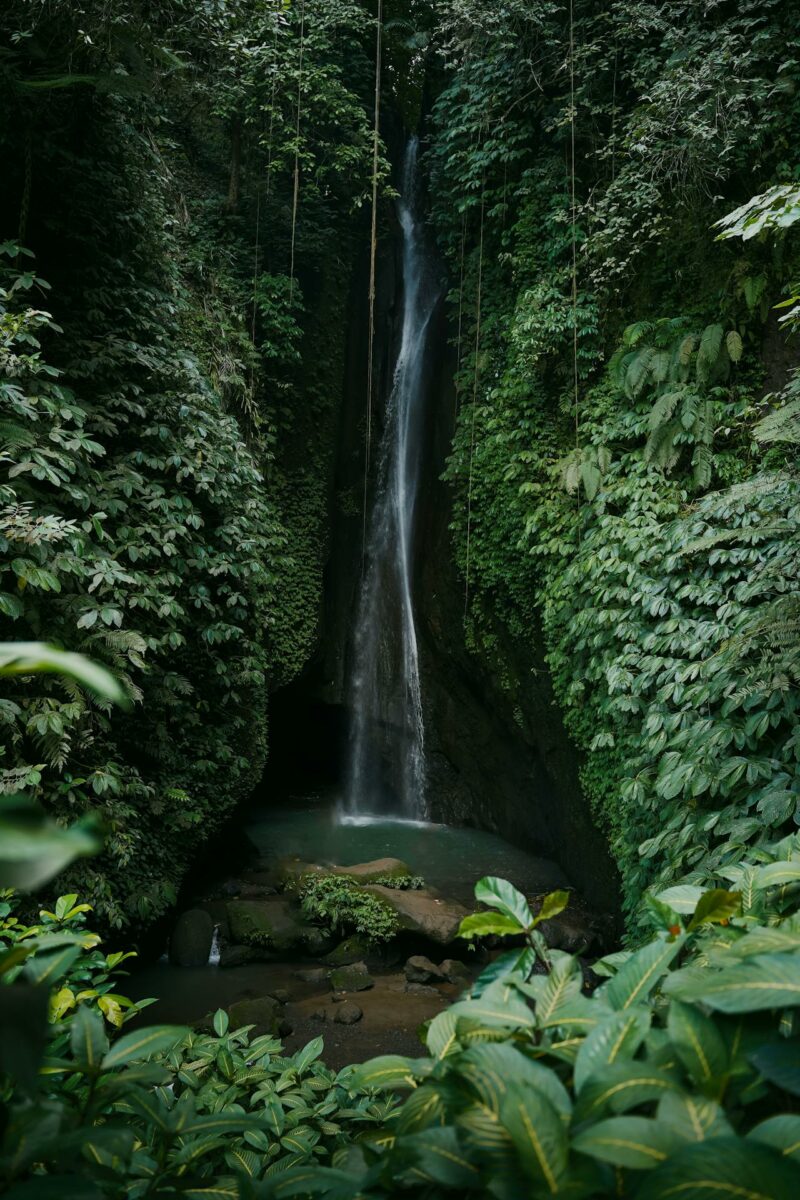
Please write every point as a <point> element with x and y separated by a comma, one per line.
<point>312,975</point>
<point>421,989</point>
<point>319,1014</point>
<point>319,941</point>
<point>420,969</point>
<point>348,1013</point>
<point>271,923</point>
<point>354,978</point>
<point>454,972</point>
<point>263,1012</point>
<point>237,956</point>
<point>190,942</point>
<point>568,931</point>
<point>423,912</point>
<point>378,868</point>
<point>353,949</point>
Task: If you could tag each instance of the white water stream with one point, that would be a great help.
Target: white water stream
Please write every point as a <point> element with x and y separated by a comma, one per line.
<point>387,749</point>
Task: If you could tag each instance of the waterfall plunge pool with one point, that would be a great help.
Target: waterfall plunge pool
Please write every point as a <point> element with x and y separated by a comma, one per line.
<point>448,858</point>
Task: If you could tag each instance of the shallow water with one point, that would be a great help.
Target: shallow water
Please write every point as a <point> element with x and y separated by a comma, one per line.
<point>449,859</point>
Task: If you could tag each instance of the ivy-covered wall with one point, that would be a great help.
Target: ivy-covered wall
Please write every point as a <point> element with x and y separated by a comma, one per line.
<point>167,437</point>
<point>614,360</point>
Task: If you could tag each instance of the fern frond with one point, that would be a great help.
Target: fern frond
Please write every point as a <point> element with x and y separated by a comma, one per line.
<point>708,352</point>
<point>780,426</point>
<point>734,345</point>
<point>638,370</point>
<point>664,409</point>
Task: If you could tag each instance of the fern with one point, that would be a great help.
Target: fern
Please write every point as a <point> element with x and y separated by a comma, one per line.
<point>780,426</point>
<point>709,351</point>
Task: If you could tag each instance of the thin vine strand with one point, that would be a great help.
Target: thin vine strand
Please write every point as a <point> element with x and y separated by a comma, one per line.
<point>373,251</point>
<point>296,189</point>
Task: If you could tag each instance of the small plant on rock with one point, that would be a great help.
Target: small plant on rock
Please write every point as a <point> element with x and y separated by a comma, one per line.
<point>340,904</point>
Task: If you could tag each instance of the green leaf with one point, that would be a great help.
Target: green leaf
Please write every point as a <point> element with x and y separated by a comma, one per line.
<point>782,1133</point>
<point>622,1086</point>
<point>388,1071</point>
<point>488,1070</point>
<point>765,981</point>
<point>699,1044</point>
<point>723,1169</point>
<point>486,923</point>
<point>538,1133</point>
<point>553,904</point>
<point>635,1142</point>
<point>34,849</point>
<point>143,1043</point>
<point>88,1038</point>
<point>683,898</point>
<point>439,1156</point>
<point>308,1054</point>
<point>619,1036</point>
<point>715,906</point>
<point>502,895</point>
<point>693,1118</point>
<point>221,1022</point>
<point>780,1064</point>
<point>45,969</point>
<point>637,977</point>
<point>30,658</point>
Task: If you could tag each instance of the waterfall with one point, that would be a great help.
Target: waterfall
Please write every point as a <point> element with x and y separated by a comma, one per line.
<point>387,746</point>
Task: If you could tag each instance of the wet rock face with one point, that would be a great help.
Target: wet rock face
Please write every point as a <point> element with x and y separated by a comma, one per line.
<point>424,912</point>
<point>190,943</point>
<point>272,923</point>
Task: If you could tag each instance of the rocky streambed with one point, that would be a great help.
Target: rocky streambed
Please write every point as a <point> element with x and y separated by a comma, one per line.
<point>251,946</point>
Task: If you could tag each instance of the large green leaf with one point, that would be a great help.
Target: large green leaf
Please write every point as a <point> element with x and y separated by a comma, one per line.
<point>500,1005</point>
<point>34,849</point>
<point>619,1036</point>
<point>538,1133</point>
<point>489,1070</point>
<point>310,1052</point>
<point>780,1064</point>
<point>438,1155</point>
<point>715,906</point>
<point>486,924</point>
<point>88,1038</point>
<point>31,658</point>
<point>636,1142</point>
<point>693,1118</point>
<point>723,1169</point>
<point>765,981</point>
<point>782,1133</point>
<point>699,1044</point>
<point>622,1086</point>
<point>637,977</point>
<point>502,895</point>
<point>389,1071</point>
<point>143,1043</point>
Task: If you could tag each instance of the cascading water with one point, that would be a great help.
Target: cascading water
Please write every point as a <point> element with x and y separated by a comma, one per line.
<point>387,750</point>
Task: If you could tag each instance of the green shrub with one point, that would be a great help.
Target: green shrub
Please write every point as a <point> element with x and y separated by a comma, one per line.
<point>340,904</point>
<point>403,883</point>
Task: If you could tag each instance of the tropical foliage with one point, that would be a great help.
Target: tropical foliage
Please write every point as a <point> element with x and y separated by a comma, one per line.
<point>165,452</point>
<point>617,483</point>
<point>678,1075</point>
